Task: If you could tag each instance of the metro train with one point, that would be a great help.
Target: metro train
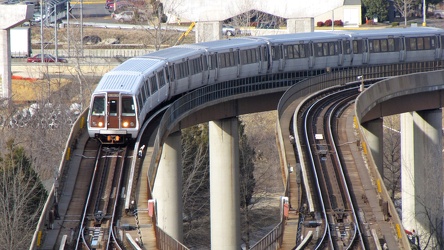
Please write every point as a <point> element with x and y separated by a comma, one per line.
<point>126,94</point>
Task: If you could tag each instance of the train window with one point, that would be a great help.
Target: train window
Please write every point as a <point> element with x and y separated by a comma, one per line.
<point>265,53</point>
<point>222,62</point>
<point>428,42</point>
<point>411,43</point>
<point>128,108</point>
<point>196,66</point>
<point>356,46</point>
<point>182,70</point>
<point>318,49</point>
<point>140,100</point>
<point>143,90</point>
<point>161,78</point>
<point>374,46</point>
<point>384,45</point>
<point>113,108</point>
<point>153,84</point>
<point>227,59</point>
<point>332,48</point>
<point>391,44</point>
<point>302,50</point>
<point>204,63</point>
<point>288,51</point>
<point>347,48</point>
<point>420,43</point>
<point>248,56</point>
<point>98,107</point>
<point>213,61</point>
<point>170,74</point>
<point>146,88</point>
<point>276,53</point>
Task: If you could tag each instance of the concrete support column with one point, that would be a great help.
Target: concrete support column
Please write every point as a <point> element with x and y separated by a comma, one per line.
<point>5,63</point>
<point>168,188</point>
<point>224,184</point>
<point>298,25</point>
<point>208,31</point>
<point>422,174</point>
<point>374,138</point>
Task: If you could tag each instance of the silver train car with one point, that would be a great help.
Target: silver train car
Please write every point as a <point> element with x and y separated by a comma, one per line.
<point>126,94</point>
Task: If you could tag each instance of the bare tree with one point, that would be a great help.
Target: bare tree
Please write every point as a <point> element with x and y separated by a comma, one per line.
<point>195,162</point>
<point>21,200</point>
<point>405,8</point>
<point>392,155</point>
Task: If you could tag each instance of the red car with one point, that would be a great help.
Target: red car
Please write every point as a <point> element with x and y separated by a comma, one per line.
<point>46,58</point>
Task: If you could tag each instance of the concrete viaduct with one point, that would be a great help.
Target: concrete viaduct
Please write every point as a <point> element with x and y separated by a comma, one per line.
<point>419,97</point>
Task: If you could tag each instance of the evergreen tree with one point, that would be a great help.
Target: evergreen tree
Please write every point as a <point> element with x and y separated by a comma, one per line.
<point>378,8</point>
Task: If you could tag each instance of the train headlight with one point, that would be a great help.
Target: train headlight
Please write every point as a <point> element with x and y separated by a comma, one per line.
<point>132,124</point>
<point>100,124</point>
<point>125,124</point>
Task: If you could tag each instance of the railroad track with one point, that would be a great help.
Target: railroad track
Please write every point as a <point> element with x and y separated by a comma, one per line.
<point>332,220</point>
<point>98,223</point>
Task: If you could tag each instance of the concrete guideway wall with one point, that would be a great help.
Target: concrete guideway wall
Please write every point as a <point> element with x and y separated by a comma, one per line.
<point>418,98</point>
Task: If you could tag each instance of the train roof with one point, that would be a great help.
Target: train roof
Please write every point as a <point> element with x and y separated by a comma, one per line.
<point>138,64</point>
<point>125,77</point>
<point>301,36</point>
<point>393,31</point>
<point>173,53</point>
<point>125,82</point>
<point>225,43</point>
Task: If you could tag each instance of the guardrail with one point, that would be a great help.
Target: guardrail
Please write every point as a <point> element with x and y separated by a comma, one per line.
<point>76,130</point>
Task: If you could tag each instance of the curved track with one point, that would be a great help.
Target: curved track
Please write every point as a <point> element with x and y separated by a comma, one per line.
<point>334,218</point>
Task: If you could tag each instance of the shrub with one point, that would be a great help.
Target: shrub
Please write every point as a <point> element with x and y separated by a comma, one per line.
<point>328,22</point>
<point>319,24</point>
<point>339,23</point>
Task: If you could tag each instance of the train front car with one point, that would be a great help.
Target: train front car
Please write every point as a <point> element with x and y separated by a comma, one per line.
<point>113,117</point>
<point>113,114</point>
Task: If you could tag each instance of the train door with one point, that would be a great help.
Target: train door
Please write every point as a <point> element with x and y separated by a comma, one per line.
<point>260,59</point>
<point>214,66</point>
<point>438,47</point>
<point>340,52</point>
<point>171,79</point>
<point>163,88</point>
<point>113,118</point>
<point>311,58</point>
<point>204,61</point>
<point>402,49</point>
<point>365,51</point>
<point>265,63</point>
<point>238,61</point>
<point>276,58</point>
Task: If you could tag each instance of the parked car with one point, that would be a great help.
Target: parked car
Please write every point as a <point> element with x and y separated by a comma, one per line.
<point>438,14</point>
<point>229,30</point>
<point>130,16</point>
<point>267,25</point>
<point>46,58</point>
<point>120,5</point>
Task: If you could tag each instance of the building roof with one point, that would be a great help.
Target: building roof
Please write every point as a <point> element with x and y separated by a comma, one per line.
<point>352,2</point>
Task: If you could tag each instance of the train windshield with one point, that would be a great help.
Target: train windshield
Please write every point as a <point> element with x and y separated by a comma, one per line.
<point>128,108</point>
<point>98,107</point>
